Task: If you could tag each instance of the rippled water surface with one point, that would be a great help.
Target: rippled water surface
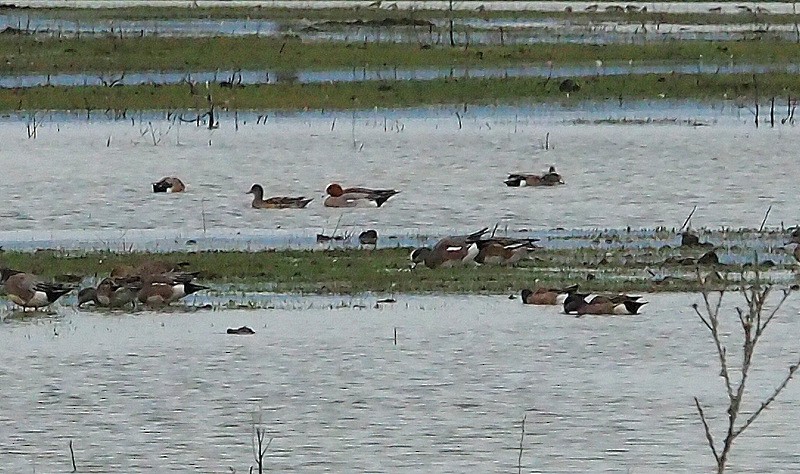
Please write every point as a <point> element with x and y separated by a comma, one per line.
<point>170,392</point>
<point>91,180</point>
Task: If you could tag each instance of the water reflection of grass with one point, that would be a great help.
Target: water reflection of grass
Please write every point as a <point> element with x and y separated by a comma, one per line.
<point>351,271</point>
<point>704,87</point>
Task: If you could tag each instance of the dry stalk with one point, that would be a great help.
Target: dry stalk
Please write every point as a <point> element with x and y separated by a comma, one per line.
<point>754,319</point>
<point>521,439</point>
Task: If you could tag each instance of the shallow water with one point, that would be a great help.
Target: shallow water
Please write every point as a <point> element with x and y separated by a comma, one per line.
<point>91,180</point>
<point>385,74</point>
<point>499,5</point>
<point>169,392</point>
<point>468,31</point>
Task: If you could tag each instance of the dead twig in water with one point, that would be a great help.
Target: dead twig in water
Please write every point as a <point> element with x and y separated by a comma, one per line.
<point>761,227</point>
<point>521,439</point>
<point>72,456</point>
<point>688,219</point>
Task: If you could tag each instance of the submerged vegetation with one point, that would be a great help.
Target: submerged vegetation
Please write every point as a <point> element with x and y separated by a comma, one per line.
<point>743,88</point>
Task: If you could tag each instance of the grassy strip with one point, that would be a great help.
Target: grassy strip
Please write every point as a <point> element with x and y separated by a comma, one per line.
<point>369,14</point>
<point>26,54</point>
<point>355,271</point>
<point>402,93</point>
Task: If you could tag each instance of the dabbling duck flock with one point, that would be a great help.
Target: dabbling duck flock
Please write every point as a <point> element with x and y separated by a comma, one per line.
<point>392,236</point>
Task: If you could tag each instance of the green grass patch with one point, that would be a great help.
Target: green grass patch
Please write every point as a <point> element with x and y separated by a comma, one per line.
<point>369,14</point>
<point>392,94</point>
<point>356,271</point>
<point>29,54</point>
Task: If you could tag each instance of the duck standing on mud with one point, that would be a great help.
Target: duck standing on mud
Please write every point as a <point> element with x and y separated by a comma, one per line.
<point>449,251</point>
<point>28,291</point>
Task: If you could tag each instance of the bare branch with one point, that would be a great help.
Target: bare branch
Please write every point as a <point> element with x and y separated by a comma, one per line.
<point>709,436</point>
<point>768,401</point>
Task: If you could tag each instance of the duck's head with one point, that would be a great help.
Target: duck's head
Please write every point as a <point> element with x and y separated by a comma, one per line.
<point>86,295</point>
<point>334,189</point>
<point>419,255</point>
<point>552,169</point>
<point>5,273</point>
<point>256,189</point>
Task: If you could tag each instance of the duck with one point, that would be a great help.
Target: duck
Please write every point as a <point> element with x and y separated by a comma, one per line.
<point>794,237</point>
<point>504,250</point>
<point>276,202</point>
<point>547,296</point>
<point>170,184</point>
<point>551,178</point>
<point>109,294</point>
<point>244,330</point>
<point>147,267</point>
<point>160,290</point>
<point>28,291</point>
<point>356,197</point>
<point>581,303</point>
<point>449,251</point>
<point>368,238</point>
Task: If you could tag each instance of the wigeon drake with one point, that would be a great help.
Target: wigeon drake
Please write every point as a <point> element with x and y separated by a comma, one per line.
<point>356,197</point>
<point>504,250</point>
<point>551,178</point>
<point>547,296</point>
<point>449,251</point>
<point>580,304</point>
<point>160,290</point>
<point>275,202</point>
<point>28,291</point>
<point>170,184</point>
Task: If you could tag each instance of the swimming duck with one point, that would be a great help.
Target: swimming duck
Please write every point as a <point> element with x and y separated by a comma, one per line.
<point>549,296</point>
<point>356,197</point>
<point>581,303</point>
<point>170,184</point>
<point>244,330</point>
<point>28,291</point>
<point>449,251</point>
<point>276,202</point>
<point>551,178</point>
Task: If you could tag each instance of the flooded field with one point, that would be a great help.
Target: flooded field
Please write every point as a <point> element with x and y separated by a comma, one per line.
<point>476,30</point>
<point>171,391</point>
<point>92,179</point>
<point>383,74</point>
<point>499,5</point>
